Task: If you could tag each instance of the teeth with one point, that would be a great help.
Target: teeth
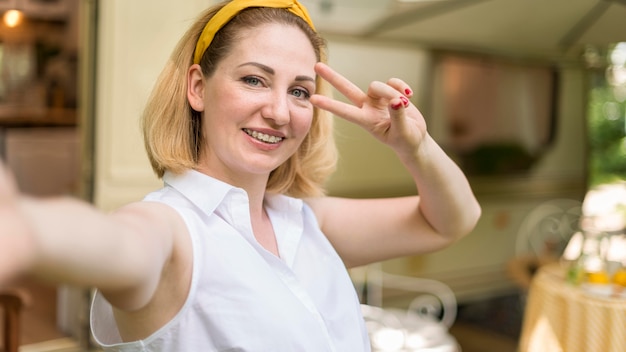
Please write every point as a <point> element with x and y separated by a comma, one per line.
<point>263,137</point>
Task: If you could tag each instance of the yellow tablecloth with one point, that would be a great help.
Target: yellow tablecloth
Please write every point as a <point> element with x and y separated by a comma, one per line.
<point>561,317</point>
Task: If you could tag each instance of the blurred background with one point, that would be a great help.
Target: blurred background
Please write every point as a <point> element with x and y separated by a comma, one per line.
<point>526,95</point>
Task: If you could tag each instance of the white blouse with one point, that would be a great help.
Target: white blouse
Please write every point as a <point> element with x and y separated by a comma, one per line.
<point>242,297</point>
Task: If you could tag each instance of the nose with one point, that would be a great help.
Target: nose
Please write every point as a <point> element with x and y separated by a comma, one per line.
<point>277,109</point>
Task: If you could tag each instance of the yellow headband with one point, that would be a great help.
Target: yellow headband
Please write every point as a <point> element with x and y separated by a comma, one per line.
<point>230,10</point>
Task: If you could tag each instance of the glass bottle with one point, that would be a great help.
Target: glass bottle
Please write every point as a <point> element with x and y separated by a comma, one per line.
<point>619,280</point>
<point>595,278</point>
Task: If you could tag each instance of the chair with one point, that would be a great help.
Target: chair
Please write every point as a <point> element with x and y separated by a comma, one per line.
<point>12,301</point>
<point>542,237</point>
<point>424,324</point>
<point>551,223</point>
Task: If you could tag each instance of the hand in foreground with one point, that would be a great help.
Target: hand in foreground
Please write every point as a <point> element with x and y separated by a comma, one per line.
<point>385,110</point>
<point>15,239</point>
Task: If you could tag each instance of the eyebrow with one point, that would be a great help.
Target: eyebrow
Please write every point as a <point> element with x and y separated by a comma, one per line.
<point>271,71</point>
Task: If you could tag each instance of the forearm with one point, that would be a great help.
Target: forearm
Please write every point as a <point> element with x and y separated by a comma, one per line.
<point>447,201</point>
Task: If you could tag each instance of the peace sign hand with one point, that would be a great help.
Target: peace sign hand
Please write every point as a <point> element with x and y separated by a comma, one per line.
<point>385,110</point>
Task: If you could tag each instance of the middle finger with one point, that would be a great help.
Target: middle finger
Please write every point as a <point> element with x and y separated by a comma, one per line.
<point>379,90</point>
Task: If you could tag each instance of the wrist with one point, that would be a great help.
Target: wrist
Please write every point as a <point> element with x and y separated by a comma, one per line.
<point>420,153</point>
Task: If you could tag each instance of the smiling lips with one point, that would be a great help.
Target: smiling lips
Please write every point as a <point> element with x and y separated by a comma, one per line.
<point>266,138</point>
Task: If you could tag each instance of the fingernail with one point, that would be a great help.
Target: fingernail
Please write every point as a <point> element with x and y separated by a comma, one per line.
<point>396,106</point>
<point>408,91</point>
<point>405,101</point>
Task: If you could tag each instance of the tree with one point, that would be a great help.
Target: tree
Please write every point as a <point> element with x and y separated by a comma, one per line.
<point>606,133</point>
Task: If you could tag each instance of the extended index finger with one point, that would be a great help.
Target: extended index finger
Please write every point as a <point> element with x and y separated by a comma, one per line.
<point>341,83</point>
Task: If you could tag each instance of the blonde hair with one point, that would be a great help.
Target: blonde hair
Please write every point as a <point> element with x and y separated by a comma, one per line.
<point>173,130</point>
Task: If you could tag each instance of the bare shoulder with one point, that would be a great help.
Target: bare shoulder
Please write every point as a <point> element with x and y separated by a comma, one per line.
<point>162,229</point>
<point>164,297</point>
<point>321,206</point>
<point>157,221</point>
<point>148,210</point>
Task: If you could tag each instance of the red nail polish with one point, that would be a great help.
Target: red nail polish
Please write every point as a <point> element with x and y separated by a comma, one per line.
<point>405,101</point>
<point>408,91</point>
<point>396,106</point>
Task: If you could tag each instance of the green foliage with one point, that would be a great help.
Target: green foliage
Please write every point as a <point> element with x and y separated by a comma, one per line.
<point>607,136</point>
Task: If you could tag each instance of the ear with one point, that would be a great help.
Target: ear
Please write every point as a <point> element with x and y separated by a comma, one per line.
<point>195,87</point>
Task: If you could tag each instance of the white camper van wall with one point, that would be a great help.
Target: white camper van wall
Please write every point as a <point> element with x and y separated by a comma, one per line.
<point>496,116</point>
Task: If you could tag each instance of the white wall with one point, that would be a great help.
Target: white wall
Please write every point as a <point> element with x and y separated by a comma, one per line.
<point>136,38</point>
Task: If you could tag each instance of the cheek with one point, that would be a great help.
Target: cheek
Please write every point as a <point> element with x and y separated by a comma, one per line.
<point>224,114</point>
<point>302,123</point>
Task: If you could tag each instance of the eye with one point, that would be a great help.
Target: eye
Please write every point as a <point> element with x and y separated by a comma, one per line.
<point>252,80</point>
<point>300,93</point>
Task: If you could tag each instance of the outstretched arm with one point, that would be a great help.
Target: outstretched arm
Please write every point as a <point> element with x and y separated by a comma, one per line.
<point>67,240</point>
<point>365,231</point>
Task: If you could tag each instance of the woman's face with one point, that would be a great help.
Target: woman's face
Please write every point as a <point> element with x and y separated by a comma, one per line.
<point>256,103</point>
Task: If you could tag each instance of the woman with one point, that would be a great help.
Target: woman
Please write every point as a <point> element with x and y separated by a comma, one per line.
<point>240,250</point>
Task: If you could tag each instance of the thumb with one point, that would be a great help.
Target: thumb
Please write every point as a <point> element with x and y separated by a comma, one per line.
<point>15,238</point>
<point>398,113</point>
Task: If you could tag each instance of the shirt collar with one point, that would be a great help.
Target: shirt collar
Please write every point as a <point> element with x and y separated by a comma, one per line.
<point>204,191</point>
<point>208,193</point>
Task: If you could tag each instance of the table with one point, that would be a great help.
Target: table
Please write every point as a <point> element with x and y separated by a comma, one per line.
<point>561,317</point>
